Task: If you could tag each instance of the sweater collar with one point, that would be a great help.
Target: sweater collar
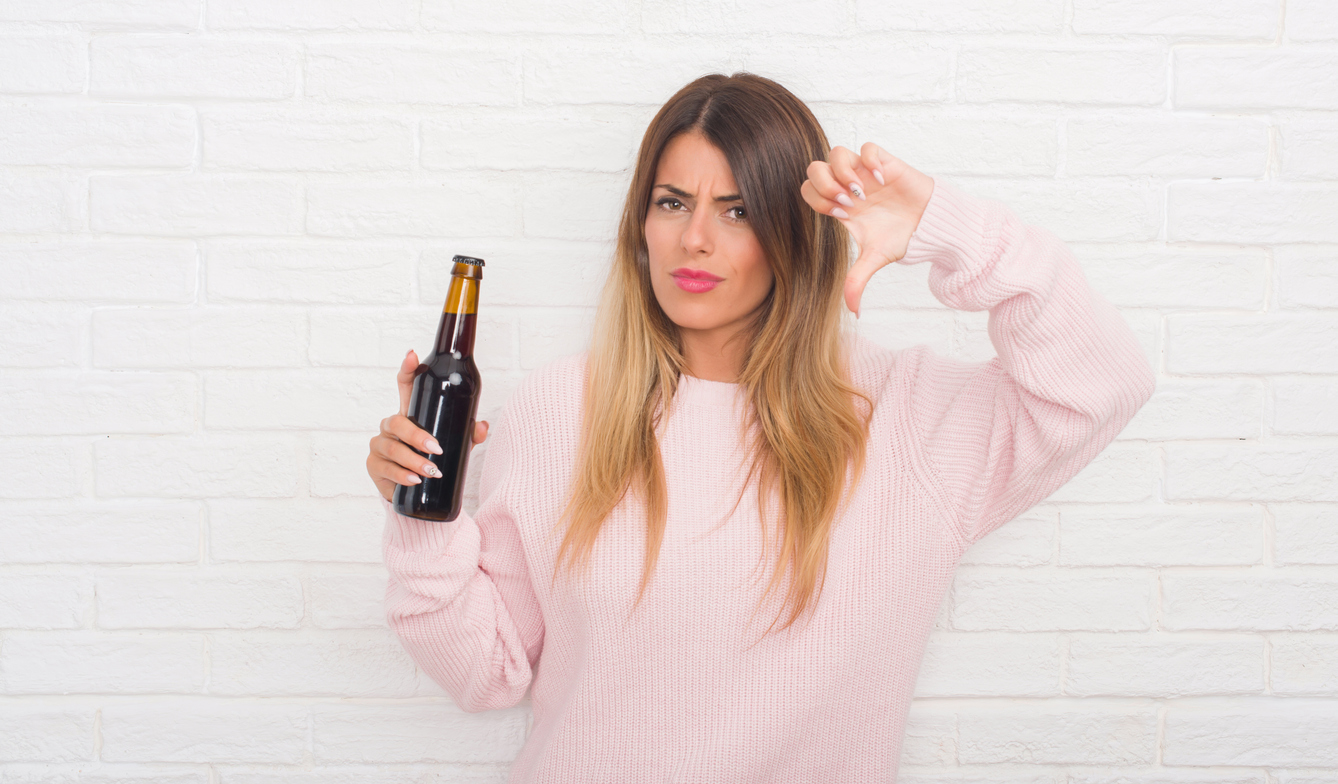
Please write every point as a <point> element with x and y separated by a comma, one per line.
<point>695,391</point>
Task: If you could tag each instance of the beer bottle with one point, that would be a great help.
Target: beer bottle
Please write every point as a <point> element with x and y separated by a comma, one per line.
<point>445,398</point>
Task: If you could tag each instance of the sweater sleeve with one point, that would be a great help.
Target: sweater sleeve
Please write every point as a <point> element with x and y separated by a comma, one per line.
<point>460,597</point>
<point>1000,436</point>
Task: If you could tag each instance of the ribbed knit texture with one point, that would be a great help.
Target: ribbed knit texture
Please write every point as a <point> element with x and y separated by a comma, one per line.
<point>675,693</point>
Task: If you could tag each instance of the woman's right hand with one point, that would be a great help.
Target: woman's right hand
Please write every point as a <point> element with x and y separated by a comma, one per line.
<point>391,461</point>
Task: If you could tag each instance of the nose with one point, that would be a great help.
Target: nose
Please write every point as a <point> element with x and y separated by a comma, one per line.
<point>699,234</point>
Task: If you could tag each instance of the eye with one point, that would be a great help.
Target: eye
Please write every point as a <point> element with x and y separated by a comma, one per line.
<point>665,201</point>
<point>742,214</point>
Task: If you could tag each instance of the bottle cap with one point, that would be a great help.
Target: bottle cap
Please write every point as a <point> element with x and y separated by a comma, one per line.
<point>468,260</point>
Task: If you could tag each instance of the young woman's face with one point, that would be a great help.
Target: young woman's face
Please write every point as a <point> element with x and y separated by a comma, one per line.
<point>697,224</point>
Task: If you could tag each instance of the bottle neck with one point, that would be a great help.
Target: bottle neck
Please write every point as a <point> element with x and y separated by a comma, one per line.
<point>459,317</point>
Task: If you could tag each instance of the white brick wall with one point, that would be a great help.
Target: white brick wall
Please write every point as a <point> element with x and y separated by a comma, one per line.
<point>222,223</point>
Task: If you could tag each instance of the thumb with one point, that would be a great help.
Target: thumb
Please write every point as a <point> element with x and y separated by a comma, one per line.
<point>407,373</point>
<point>861,272</point>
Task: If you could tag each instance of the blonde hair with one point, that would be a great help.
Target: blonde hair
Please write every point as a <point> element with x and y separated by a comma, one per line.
<point>806,429</point>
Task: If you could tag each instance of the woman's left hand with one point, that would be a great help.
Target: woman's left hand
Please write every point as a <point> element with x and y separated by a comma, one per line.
<point>878,197</point>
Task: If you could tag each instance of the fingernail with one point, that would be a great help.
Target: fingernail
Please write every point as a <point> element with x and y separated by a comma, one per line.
<point>837,212</point>
<point>857,190</point>
<point>844,199</point>
<point>413,480</point>
<point>433,446</point>
<point>431,470</point>
<point>877,175</point>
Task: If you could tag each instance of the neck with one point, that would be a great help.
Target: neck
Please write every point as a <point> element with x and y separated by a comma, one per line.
<point>712,355</point>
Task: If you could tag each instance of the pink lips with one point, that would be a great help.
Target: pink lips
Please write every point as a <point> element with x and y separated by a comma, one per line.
<point>695,281</point>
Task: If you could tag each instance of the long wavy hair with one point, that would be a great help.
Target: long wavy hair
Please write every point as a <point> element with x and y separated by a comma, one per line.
<point>806,431</point>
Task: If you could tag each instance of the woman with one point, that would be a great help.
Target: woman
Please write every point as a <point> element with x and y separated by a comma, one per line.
<point>633,492</point>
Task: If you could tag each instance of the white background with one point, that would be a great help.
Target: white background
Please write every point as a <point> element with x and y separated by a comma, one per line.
<point>223,222</point>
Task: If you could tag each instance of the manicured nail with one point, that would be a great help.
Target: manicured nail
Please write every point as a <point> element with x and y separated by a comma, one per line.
<point>844,199</point>
<point>431,470</point>
<point>413,480</point>
<point>433,446</point>
<point>877,175</point>
<point>837,212</point>
<point>857,190</point>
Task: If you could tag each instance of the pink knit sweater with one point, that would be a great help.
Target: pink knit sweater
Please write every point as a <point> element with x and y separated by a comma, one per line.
<point>674,693</point>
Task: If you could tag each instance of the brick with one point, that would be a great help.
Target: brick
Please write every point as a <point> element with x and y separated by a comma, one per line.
<point>1305,406</point>
<point>350,663</point>
<point>301,399</point>
<point>917,73</point>
<point>597,17</point>
<point>246,530</point>
<point>434,208</point>
<point>1309,148</point>
<point>1304,534</point>
<point>103,773</point>
<point>704,19</point>
<point>526,272</point>
<point>1244,78</point>
<point>59,402</point>
<point>194,67</point>
<point>96,662</point>
<point>987,598</point>
<point>931,736</point>
<point>1122,473</point>
<point>381,73</point>
<point>573,73</point>
<point>99,271</point>
<point>898,330</point>
<point>1312,20</point>
<point>433,732</point>
<point>1131,76</point>
<point>42,64</point>
<point>1304,665</point>
<point>369,774</point>
<point>1027,16</point>
<point>1297,600</point>
<point>192,204</point>
<point>1057,734</point>
<point>90,532</point>
<point>989,665</point>
<point>1251,731</point>
<point>1251,212</point>
<point>339,464</point>
<point>203,336</point>
<point>310,15</point>
<point>189,600</point>
<point>1244,471</point>
<point>1078,211</point>
<point>1028,540</point>
<point>1165,147</point>
<point>44,601</point>
<point>96,136</point>
<point>201,466</point>
<point>308,272</point>
<point>103,14</point>
<point>1305,277</point>
<point>30,205</point>
<point>362,338</point>
<point>1163,665</point>
<point>1190,408</point>
<point>267,139</point>
<point>551,209</point>
<point>42,467</point>
<point>965,140</point>
<point>38,335</point>
<point>1164,277</point>
<point>552,333</point>
<point>1215,535</point>
<point>348,600</point>
<point>1275,342</point>
<point>203,730</point>
<point>1183,18</point>
<point>45,734</point>
<point>601,139</point>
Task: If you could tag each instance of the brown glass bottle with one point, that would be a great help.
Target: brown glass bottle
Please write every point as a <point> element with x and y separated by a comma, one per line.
<point>445,398</point>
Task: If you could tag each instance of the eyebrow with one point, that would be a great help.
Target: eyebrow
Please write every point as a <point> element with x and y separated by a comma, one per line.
<point>684,194</point>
